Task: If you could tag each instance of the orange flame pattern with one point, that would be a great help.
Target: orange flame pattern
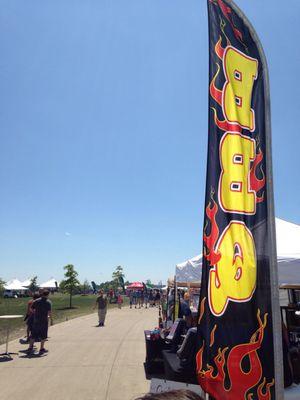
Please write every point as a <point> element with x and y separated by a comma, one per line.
<point>211,239</point>
<point>212,336</point>
<point>227,14</point>
<point>202,309</point>
<point>256,183</point>
<point>213,381</point>
<point>219,49</point>
<point>225,125</point>
<point>216,93</point>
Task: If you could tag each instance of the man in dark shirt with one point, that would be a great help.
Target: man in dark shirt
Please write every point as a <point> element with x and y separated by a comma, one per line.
<point>42,311</point>
<point>101,304</point>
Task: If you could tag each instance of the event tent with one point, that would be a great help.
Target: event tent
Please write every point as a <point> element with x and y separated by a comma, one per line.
<point>288,251</point>
<point>288,256</point>
<point>135,285</point>
<point>52,284</point>
<point>14,284</point>
<point>190,270</point>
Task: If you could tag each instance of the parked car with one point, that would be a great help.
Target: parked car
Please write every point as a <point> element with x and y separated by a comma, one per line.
<point>10,294</point>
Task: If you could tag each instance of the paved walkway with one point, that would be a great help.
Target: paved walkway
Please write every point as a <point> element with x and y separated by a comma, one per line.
<point>84,362</point>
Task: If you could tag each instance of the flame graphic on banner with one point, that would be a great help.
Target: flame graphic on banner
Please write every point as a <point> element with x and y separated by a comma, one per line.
<point>228,15</point>
<point>212,380</point>
<point>211,239</point>
<point>256,183</point>
<point>225,125</point>
<point>219,49</point>
<point>212,336</point>
<point>216,93</point>
<point>202,309</point>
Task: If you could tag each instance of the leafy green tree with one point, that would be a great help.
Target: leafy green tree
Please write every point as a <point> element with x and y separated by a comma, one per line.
<point>85,287</point>
<point>118,276</point>
<point>149,283</point>
<point>33,285</point>
<point>106,286</point>
<point>2,283</point>
<point>118,272</point>
<point>70,283</point>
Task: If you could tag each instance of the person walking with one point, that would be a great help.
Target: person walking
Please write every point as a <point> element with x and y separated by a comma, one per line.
<point>142,298</point>
<point>130,298</point>
<point>101,303</point>
<point>30,316</point>
<point>119,301</point>
<point>146,298</point>
<point>164,306</point>
<point>151,298</point>
<point>139,298</point>
<point>157,298</point>
<point>42,310</point>
<point>135,298</point>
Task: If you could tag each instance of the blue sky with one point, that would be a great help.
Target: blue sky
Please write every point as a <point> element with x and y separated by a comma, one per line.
<point>103,117</point>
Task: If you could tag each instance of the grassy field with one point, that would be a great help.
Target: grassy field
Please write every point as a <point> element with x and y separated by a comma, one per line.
<point>82,305</point>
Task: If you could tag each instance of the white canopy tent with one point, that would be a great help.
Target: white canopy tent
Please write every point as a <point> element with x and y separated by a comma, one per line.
<point>190,270</point>
<point>288,256</point>
<point>52,284</point>
<point>15,285</point>
<point>288,251</point>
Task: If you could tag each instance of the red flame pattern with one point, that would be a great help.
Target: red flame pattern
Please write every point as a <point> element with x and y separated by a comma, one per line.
<point>211,239</point>
<point>256,183</point>
<point>225,125</point>
<point>228,15</point>
<point>216,93</point>
<point>213,382</point>
<point>219,49</point>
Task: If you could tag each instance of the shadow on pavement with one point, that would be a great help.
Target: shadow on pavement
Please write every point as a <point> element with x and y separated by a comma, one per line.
<point>5,359</point>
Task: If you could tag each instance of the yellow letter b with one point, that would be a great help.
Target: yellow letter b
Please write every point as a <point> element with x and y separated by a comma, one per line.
<point>240,72</point>
<point>235,194</point>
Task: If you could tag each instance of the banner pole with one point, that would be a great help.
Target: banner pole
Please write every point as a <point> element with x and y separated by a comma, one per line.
<point>276,316</point>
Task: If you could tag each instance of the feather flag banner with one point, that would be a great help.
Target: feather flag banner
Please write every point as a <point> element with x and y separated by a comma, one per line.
<point>239,325</point>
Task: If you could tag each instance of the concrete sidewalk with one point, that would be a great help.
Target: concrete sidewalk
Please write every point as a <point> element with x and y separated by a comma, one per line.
<point>84,362</point>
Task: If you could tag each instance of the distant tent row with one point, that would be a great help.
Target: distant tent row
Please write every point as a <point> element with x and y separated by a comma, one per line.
<point>16,285</point>
<point>288,257</point>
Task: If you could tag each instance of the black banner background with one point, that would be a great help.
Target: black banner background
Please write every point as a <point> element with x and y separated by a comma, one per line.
<point>233,375</point>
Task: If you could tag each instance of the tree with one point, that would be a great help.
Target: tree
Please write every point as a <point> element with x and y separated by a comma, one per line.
<point>85,287</point>
<point>33,285</point>
<point>118,273</point>
<point>70,283</point>
<point>118,276</point>
<point>2,283</point>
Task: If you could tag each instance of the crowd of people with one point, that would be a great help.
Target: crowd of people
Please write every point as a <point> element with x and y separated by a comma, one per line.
<point>39,311</point>
<point>145,298</point>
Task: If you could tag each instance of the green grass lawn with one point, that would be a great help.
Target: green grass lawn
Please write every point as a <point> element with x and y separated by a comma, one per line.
<point>82,305</point>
